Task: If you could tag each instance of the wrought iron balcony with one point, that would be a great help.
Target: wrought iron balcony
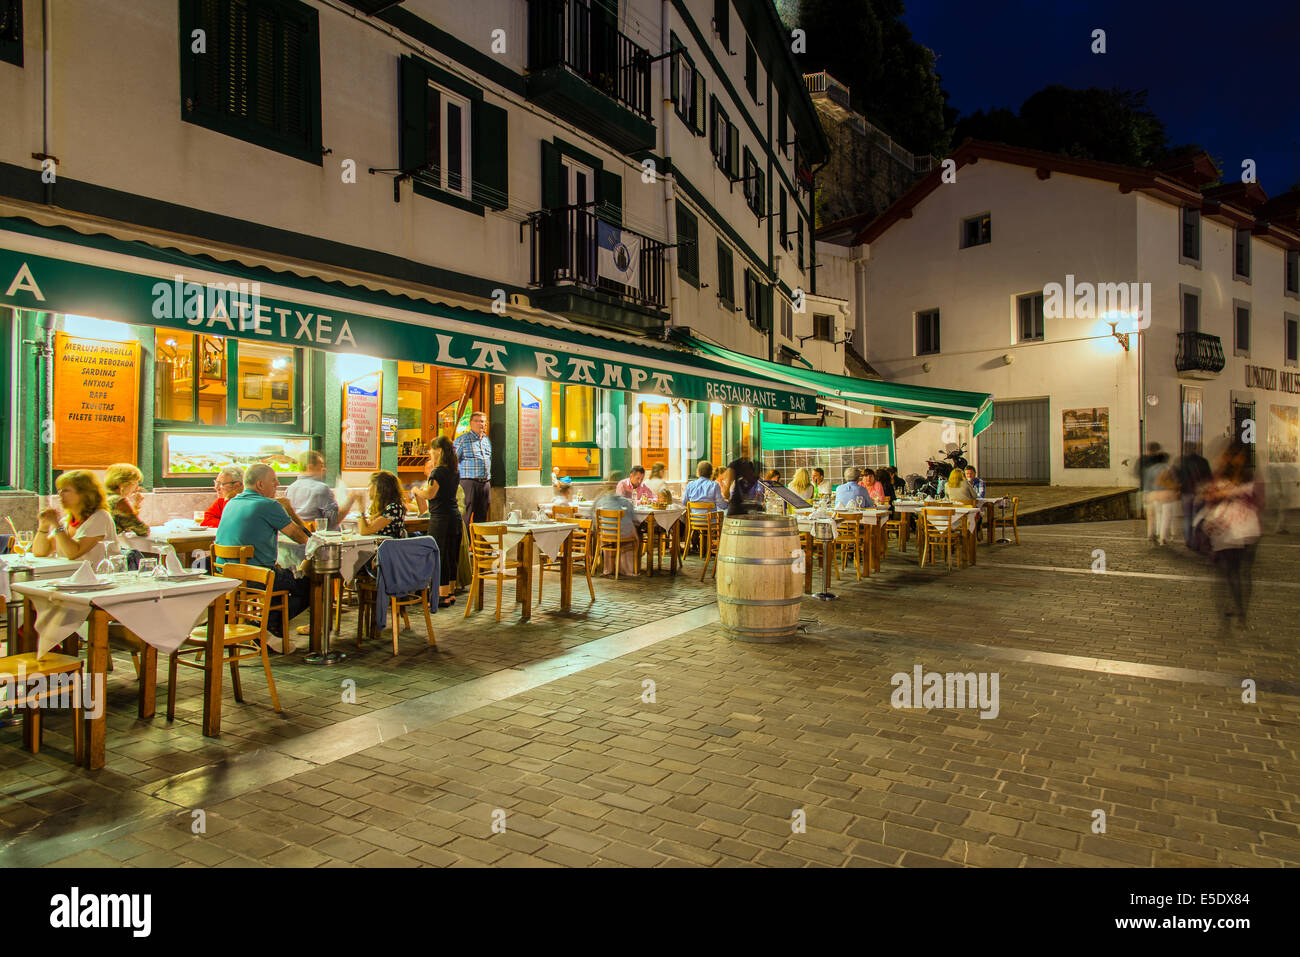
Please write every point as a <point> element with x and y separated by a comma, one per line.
<point>1200,355</point>
<point>566,255</point>
<point>582,68</point>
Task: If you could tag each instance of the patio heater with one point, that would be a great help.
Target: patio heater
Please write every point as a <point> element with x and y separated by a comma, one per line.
<point>823,530</point>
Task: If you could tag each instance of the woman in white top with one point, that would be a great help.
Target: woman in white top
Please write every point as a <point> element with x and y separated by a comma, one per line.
<point>656,482</point>
<point>89,533</point>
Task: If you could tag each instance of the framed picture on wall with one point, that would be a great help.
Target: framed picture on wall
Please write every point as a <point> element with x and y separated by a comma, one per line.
<point>280,391</point>
<point>417,368</point>
<point>252,387</point>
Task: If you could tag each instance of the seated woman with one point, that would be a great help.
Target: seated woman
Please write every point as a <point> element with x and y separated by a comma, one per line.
<point>875,488</point>
<point>665,497</point>
<point>90,533</point>
<point>802,485</point>
<point>563,489</point>
<point>124,496</point>
<point>387,514</point>
<point>957,489</point>
<point>656,480</point>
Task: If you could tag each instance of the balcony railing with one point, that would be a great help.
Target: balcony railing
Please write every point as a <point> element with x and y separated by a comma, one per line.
<point>1199,352</point>
<point>567,33</point>
<point>566,251</point>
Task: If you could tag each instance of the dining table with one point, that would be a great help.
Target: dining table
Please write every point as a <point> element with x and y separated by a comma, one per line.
<point>24,567</point>
<point>968,514</point>
<point>354,552</point>
<point>658,522</point>
<point>552,539</point>
<point>185,536</point>
<point>161,611</point>
<point>875,518</point>
<point>988,504</point>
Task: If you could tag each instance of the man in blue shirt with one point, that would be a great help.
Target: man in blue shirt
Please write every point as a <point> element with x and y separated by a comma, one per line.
<point>312,499</point>
<point>976,484</point>
<point>254,517</point>
<point>474,456</point>
<point>851,494</point>
<point>702,489</point>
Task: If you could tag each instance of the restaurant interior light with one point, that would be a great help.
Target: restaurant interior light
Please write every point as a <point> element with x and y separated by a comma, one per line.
<point>555,433</point>
<point>88,327</point>
<point>715,408</point>
<point>281,363</point>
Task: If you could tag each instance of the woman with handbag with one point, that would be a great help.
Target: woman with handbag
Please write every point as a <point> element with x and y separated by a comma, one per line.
<point>1231,520</point>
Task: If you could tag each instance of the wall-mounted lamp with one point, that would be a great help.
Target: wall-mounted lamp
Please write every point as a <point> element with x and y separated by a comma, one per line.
<point>926,367</point>
<point>1008,359</point>
<point>1153,400</point>
<point>1120,337</point>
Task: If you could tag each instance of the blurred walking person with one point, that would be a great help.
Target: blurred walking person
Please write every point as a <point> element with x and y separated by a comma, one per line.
<point>1193,472</point>
<point>1154,466</point>
<point>1231,520</point>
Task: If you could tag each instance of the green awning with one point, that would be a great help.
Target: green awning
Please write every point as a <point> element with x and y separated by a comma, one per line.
<point>55,269</point>
<point>972,408</point>
<point>777,437</point>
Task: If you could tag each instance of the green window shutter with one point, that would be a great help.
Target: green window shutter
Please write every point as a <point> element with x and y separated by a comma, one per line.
<point>733,150</point>
<point>688,250</point>
<point>781,123</point>
<point>414,148</point>
<point>609,193</point>
<point>715,133</point>
<point>490,164</point>
<point>675,44</point>
<point>767,299</point>
<point>726,275</point>
<point>697,108</point>
<point>784,222</point>
<point>551,172</point>
<point>760,194</point>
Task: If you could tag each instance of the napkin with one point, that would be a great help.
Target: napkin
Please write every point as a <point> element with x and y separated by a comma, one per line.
<point>174,566</point>
<point>84,575</point>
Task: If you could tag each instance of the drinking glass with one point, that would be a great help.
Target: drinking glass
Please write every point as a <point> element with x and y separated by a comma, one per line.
<point>25,540</point>
<point>148,568</point>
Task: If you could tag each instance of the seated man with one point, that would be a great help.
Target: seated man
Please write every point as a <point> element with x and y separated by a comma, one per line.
<point>976,484</point>
<point>820,482</point>
<point>703,490</point>
<point>254,517</point>
<point>229,483</point>
<point>311,499</point>
<point>634,487</point>
<point>629,554</point>
<point>851,494</point>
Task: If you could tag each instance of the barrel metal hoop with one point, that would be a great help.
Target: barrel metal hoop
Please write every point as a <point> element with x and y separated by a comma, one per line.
<point>733,560</point>
<point>760,601</point>
<point>768,534</point>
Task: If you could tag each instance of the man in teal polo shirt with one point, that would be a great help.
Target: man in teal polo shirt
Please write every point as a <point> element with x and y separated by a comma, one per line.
<point>254,517</point>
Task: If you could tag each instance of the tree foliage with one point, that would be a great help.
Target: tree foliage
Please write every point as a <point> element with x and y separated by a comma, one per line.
<point>891,78</point>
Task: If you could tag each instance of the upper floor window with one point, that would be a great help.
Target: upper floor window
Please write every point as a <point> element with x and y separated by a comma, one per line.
<point>1190,249</point>
<point>1191,311</point>
<point>927,332</point>
<point>782,126</point>
<point>11,31</point>
<point>722,22</point>
<point>1241,255</point>
<point>726,276</point>
<point>823,328</point>
<point>1291,339</point>
<point>977,231</point>
<point>449,140</point>
<point>755,185</point>
<point>258,77</point>
<point>783,220</point>
<point>1029,311</point>
<point>787,318</point>
<point>688,89</point>
<point>751,70</point>
<point>688,247</point>
<point>1241,328</point>
<point>754,299</point>
<point>724,140</point>
<point>799,227</point>
<point>1293,272</point>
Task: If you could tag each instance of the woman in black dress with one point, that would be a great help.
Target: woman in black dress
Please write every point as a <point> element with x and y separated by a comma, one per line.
<point>444,517</point>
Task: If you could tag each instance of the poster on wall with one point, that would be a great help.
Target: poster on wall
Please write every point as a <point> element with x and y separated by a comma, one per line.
<point>1087,438</point>
<point>1283,433</point>
<point>361,403</point>
<point>96,415</point>
<point>654,434</point>
<point>1193,419</point>
<point>530,430</point>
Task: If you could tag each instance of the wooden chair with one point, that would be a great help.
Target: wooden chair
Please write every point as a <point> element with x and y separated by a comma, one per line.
<point>368,592</point>
<point>703,525</point>
<point>248,608</point>
<point>17,671</point>
<point>851,541</point>
<point>564,511</point>
<point>897,525</point>
<point>609,535</point>
<point>942,531</point>
<point>582,554</point>
<point>488,561</point>
<point>1000,519</point>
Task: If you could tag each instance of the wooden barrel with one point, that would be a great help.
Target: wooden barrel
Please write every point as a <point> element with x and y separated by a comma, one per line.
<point>758,592</point>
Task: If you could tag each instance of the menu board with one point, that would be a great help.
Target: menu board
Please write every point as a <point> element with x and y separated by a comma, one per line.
<point>654,434</point>
<point>530,430</point>
<point>96,416</point>
<point>361,401</point>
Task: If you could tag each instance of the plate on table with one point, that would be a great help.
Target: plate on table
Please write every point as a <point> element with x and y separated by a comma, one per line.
<point>189,574</point>
<point>65,584</point>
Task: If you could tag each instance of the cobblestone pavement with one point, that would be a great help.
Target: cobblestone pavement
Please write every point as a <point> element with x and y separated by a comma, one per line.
<point>538,745</point>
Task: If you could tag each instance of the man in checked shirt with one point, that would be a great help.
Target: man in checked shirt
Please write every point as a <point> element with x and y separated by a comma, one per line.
<point>474,454</point>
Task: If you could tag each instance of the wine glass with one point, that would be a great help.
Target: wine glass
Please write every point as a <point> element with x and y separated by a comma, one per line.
<point>25,541</point>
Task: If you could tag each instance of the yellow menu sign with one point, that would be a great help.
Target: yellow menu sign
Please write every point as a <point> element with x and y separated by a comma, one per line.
<point>96,405</point>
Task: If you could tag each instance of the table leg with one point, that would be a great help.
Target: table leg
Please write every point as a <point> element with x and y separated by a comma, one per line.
<point>526,576</point>
<point>988,521</point>
<point>96,674</point>
<point>809,560</point>
<point>566,573</point>
<point>879,531</point>
<point>675,543</point>
<point>316,617</point>
<point>212,666</point>
<point>27,637</point>
<point>148,681</point>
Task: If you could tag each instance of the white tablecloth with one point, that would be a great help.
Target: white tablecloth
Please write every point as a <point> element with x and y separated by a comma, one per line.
<point>161,613</point>
<point>48,567</point>
<point>549,537</point>
<point>353,552</point>
<point>964,511</point>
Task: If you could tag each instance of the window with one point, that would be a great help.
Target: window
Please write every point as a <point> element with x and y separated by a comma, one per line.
<point>726,276</point>
<point>1191,311</point>
<point>782,126</point>
<point>787,318</point>
<point>751,70</point>
<point>722,22</point>
<point>448,141</point>
<point>688,89</point>
<point>1243,412</point>
<point>1293,272</point>
<point>688,248</point>
<point>799,226</point>
<point>755,186</point>
<point>1241,255</point>
<point>753,300</point>
<point>977,231</point>
<point>783,218</point>
<point>724,140</point>
<point>11,31</point>
<point>823,328</point>
<point>927,332</point>
<point>192,380</point>
<point>1193,419</point>
<point>1029,312</point>
<point>1291,339</point>
<point>259,76</point>
<point>1241,328</point>
<point>573,431</point>
<point>1190,250</point>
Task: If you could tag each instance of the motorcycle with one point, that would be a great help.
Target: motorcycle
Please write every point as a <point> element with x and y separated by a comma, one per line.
<point>938,470</point>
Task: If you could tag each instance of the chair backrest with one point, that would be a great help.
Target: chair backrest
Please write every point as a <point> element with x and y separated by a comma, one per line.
<point>700,514</point>
<point>564,511</point>
<point>609,524</point>
<point>848,526</point>
<point>486,541</point>
<point>939,519</point>
<point>250,603</point>
<point>232,553</point>
<point>1015,507</point>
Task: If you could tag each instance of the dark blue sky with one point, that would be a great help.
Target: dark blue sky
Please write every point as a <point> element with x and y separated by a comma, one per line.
<point>1219,74</point>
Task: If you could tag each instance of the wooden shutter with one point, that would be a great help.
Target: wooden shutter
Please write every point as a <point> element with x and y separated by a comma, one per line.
<point>722,21</point>
<point>609,194</point>
<point>674,64</point>
<point>698,117</point>
<point>785,243</point>
<point>716,135</point>
<point>733,150</point>
<point>551,173</point>
<point>415,133</point>
<point>490,155</point>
